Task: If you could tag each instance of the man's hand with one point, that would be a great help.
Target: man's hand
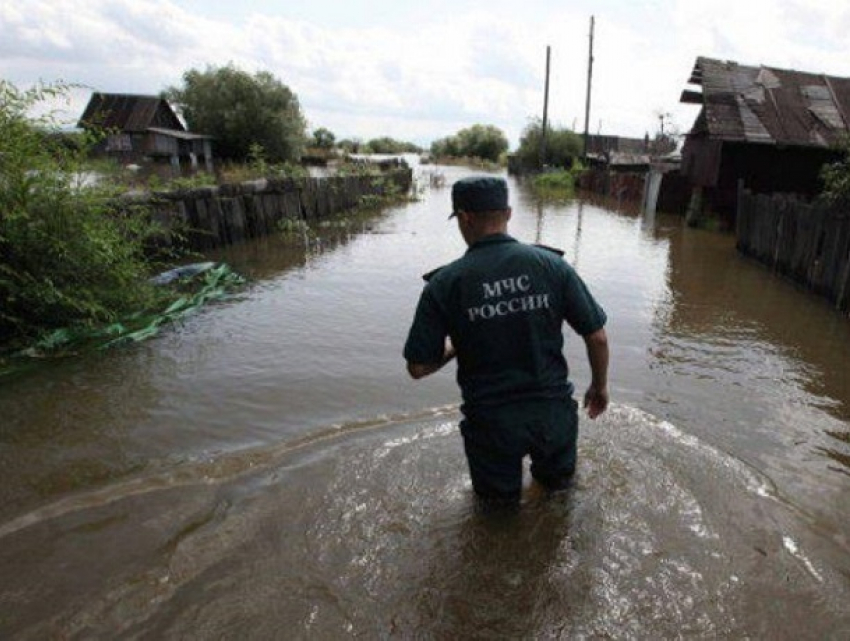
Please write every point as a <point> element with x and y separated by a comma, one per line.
<point>596,397</point>
<point>595,401</point>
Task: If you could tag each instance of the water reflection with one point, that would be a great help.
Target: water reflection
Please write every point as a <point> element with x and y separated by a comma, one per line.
<point>497,575</point>
<point>244,470</point>
<point>732,322</point>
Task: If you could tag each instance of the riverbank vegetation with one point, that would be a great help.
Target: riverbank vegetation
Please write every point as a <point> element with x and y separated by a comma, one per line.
<point>76,258</point>
<point>557,184</point>
<point>562,146</point>
<point>836,178</point>
<point>481,143</point>
<point>242,110</point>
<point>383,145</point>
<point>68,254</point>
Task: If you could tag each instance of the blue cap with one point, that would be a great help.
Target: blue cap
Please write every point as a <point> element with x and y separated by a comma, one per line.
<point>479,193</point>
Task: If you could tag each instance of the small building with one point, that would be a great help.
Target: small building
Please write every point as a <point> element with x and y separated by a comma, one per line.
<point>771,128</point>
<point>142,129</point>
<point>619,153</point>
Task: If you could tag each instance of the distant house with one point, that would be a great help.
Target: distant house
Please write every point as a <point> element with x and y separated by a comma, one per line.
<point>144,129</point>
<point>618,153</point>
<point>773,129</point>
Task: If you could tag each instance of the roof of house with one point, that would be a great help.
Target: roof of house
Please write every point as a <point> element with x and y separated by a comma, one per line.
<point>621,159</point>
<point>129,113</point>
<point>767,105</point>
<point>597,143</point>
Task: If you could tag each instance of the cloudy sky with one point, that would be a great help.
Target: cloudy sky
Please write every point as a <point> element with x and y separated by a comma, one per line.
<point>423,70</point>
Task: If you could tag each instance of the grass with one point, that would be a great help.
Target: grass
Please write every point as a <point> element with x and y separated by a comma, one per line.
<point>559,184</point>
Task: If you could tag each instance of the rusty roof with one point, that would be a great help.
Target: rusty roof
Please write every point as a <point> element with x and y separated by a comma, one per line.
<point>129,112</point>
<point>767,105</point>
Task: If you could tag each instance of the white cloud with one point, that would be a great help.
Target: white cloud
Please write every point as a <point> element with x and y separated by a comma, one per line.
<point>451,68</point>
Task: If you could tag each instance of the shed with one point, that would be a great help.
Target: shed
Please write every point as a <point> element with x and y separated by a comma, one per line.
<point>771,128</point>
<point>142,128</point>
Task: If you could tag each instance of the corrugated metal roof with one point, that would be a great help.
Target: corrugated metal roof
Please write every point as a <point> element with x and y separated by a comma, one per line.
<point>772,106</point>
<point>129,113</point>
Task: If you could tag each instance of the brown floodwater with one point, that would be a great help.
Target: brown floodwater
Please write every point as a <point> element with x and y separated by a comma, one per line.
<point>265,468</point>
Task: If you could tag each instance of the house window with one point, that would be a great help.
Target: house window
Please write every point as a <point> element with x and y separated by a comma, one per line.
<point>119,142</point>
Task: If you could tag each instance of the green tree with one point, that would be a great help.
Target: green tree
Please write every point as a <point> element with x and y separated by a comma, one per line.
<point>563,146</point>
<point>836,176</point>
<point>240,110</point>
<point>323,138</point>
<point>486,142</point>
<point>350,145</point>
<point>68,255</point>
<point>387,145</point>
<point>482,141</point>
<point>448,147</point>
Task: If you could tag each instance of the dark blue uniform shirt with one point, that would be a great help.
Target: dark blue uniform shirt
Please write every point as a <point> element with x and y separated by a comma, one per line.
<point>503,304</point>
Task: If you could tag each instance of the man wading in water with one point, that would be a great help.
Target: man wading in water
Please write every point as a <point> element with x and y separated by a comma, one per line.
<point>502,306</point>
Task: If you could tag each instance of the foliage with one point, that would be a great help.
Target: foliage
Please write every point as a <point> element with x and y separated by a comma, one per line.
<point>68,256</point>
<point>386,145</point>
<point>323,138</point>
<point>293,227</point>
<point>358,168</point>
<point>836,177</point>
<point>351,145</point>
<point>486,142</point>
<point>562,146</point>
<point>477,163</point>
<point>448,147</point>
<point>200,179</point>
<point>257,167</point>
<point>241,110</point>
<point>209,282</point>
<point>557,184</point>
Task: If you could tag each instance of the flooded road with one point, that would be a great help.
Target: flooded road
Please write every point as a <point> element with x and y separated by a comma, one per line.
<point>267,470</point>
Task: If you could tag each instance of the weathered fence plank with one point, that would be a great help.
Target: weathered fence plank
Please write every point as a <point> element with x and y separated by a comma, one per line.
<point>217,216</point>
<point>809,243</point>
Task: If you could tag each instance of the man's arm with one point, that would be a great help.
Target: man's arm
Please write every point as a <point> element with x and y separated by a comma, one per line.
<point>421,370</point>
<point>596,397</point>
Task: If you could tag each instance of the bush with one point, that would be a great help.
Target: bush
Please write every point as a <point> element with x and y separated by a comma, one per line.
<point>557,184</point>
<point>257,167</point>
<point>387,145</point>
<point>485,142</point>
<point>67,255</point>
<point>241,110</point>
<point>323,138</point>
<point>836,177</point>
<point>562,146</point>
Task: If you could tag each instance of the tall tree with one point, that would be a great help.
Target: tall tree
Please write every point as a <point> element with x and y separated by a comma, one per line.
<point>562,146</point>
<point>487,142</point>
<point>241,110</point>
<point>323,138</point>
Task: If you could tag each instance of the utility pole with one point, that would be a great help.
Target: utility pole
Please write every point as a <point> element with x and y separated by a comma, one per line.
<point>589,78</point>
<point>542,160</point>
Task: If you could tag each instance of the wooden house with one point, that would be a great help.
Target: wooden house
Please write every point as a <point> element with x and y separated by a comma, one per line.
<point>772,129</point>
<point>142,129</point>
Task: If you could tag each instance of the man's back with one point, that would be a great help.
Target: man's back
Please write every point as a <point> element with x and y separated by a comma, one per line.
<point>503,305</point>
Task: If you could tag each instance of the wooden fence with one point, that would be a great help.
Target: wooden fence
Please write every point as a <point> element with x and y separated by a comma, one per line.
<point>626,186</point>
<point>212,217</point>
<point>809,243</point>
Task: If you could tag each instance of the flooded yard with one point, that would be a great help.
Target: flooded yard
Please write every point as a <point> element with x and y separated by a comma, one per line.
<point>266,469</point>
